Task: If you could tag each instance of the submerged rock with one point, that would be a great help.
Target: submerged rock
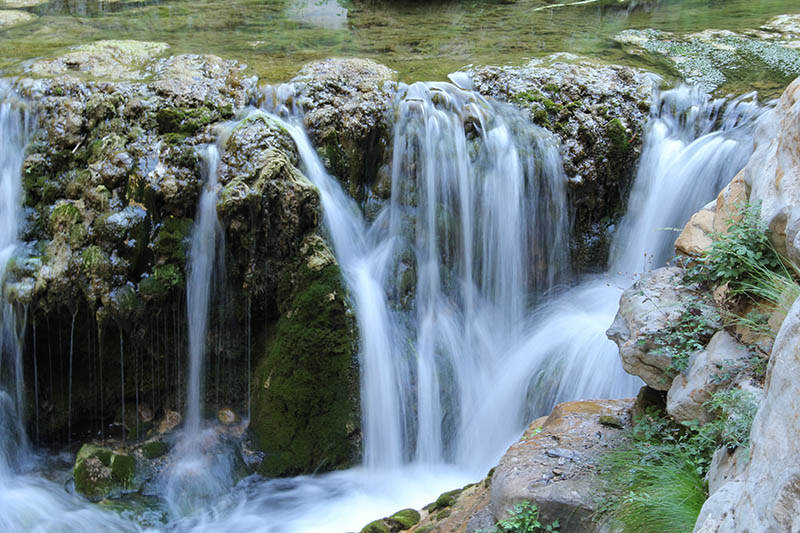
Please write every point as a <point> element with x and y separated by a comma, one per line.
<point>115,60</point>
<point>712,58</point>
<point>10,18</point>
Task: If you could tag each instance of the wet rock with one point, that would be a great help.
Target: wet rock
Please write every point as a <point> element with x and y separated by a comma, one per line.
<point>196,80</point>
<point>766,496</point>
<point>227,417</point>
<point>570,442</point>
<point>598,112</point>
<point>462,506</point>
<point>646,309</point>
<point>692,389</point>
<point>114,60</point>
<point>347,104</point>
<point>101,472</point>
<point>168,422</point>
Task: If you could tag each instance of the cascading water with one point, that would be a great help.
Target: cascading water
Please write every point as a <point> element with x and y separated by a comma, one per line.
<point>202,470</point>
<point>457,282</point>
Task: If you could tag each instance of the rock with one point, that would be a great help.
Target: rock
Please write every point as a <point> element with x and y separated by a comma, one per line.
<point>646,399</point>
<point>347,104</point>
<point>695,238</point>
<point>403,520</point>
<point>712,58</point>
<point>101,472</point>
<point>598,112</point>
<point>726,465</point>
<point>692,389</point>
<point>195,80</point>
<point>154,449</point>
<point>766,496</point>
<point>168,422</point>
<point>571,441</point>
<point>10,18</point>
<point>115,60</point>
<point>227,417</point>
<point>462,506</point>
<point>773,172</point>
<point>646,308</point>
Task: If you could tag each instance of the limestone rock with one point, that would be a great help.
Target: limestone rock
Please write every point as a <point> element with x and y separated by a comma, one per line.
<point>726,465</point>
<point>347,103</point>
<point>766,497</point>
<point>691,390</point>
<point>773,173</point>
<point>645,309</point>
<point>695,238</point>
<point>555,467</point>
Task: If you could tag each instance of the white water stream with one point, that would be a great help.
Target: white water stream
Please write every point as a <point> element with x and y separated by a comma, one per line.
<point>458,284</point>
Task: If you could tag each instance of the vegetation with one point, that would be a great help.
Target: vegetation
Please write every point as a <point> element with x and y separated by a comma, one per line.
<point>524,518</point>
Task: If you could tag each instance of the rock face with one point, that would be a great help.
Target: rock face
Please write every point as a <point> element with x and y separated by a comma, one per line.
<point>766,497</point>
<point>112,179</point>
<point>646,309</point>
<point>690,390</point>
<point>554,466</point>
<point>773,173</point>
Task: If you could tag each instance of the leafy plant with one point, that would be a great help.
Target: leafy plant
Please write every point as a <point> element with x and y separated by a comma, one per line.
<point>524,518</point>
<point>734,254</point>
<point>695,326</point>
<point>735,409</point>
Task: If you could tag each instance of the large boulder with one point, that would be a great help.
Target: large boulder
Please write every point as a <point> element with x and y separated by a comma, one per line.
<point>117,60</point>
<point>766,497</point>
<point>773,173</point>
<point>554,466</point>
<point>305,414</point>
<point>690,390</point>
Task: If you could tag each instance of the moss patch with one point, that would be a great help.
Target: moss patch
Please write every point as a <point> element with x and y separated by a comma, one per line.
<point>152,450</point>
<point>303,412</point>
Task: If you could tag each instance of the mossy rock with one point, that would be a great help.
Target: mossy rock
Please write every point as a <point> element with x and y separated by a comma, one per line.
<point>403,520</point>
<point>446,499</point>
<point>305,416</point>
<point>155,449</point>
<point>378,526</point>
<point>64,216</point>
<point>95,261</point>
<point>100,472</point>
<point>184,120</point>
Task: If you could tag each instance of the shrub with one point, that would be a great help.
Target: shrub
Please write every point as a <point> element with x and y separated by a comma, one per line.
<point>524,518</point>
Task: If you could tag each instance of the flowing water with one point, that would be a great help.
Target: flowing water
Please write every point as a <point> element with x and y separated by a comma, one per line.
<point>460,284</point>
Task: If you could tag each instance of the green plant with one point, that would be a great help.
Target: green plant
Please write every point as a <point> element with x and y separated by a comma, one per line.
<point>737,256</point>
<point>695,326</point>
<point>654,482</point>
<point>735,410</point>
<point>524,518</point>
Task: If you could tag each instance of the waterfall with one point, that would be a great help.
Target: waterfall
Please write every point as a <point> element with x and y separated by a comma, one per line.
<point>202,254</point>
<point>477,226</point>
<point>13,135</point>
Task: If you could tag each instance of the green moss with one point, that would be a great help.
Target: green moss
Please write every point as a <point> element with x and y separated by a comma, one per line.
<point>172,240</point>
<point>446,499</point>
<point>152,450</point>
<point>168,276</point>
<point>184,120</point>
<point>123,469</point>
<point>619,140</point>
<point>64,215</point>
<point>441,515</point>
<point>376,527</point>
<point>404,519</point>
<point>425,529</point>
<point>304,413</point>
<point>95,261</point>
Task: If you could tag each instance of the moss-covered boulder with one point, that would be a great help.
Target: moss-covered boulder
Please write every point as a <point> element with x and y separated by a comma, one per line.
<point>305,414</point>
<point>101,472</point>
